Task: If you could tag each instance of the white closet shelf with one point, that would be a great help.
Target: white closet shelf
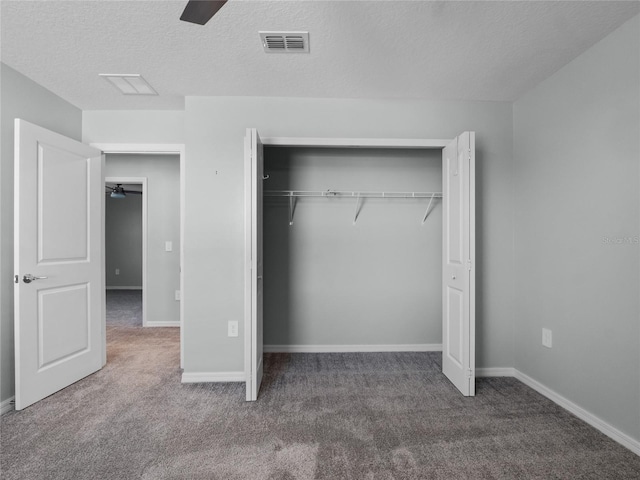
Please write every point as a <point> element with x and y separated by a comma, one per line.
<point>293,194</point>
<point>349,194</point>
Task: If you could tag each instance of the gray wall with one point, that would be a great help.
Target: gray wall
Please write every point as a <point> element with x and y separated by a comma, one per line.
<point>20,97</point>
<point>577,187</point>
<point>163,224</point>
<point>133,126</point>
<point>214,258</point>
<point>330,282</point>
<point>123,239</point>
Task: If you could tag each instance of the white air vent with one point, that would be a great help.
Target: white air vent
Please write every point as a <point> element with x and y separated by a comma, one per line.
<point>285,42</point>
<point>129,83</point>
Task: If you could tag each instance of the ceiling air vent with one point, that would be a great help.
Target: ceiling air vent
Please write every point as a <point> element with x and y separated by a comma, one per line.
<point>285,42</point>
<point>129,83</point>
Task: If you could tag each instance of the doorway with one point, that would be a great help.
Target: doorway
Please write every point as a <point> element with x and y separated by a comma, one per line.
<point>165,244</point>
<point>458,252</point>
<point>161,228</point>
<point>126,251</point>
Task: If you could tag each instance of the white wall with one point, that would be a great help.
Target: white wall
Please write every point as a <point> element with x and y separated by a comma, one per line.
<point>133,126</point>
<point>123,239</point>
<point>163,224</point>
<point>21,98</point>
<point>330,282</point>
<point>577,191</point>
<point>214,223</point>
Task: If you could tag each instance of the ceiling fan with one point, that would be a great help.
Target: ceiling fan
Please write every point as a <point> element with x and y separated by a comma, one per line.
<point>119,192</point>
<point>201,11</point>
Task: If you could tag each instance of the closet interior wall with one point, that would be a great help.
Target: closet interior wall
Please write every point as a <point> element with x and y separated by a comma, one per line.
<point>328,281</point>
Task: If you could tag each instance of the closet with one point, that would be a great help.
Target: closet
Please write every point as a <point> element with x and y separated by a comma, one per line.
<point>360,245</point>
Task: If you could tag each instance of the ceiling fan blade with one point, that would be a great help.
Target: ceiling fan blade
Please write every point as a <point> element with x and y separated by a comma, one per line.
<point>201,11</point>
<point>132,191</point>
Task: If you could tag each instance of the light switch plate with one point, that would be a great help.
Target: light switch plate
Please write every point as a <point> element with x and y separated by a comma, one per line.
<point>168,246</point>
<point>547,338</point>
<point>232,329</point>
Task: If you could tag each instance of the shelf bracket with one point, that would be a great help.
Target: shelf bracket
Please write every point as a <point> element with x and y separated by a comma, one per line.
<point>426,214</point>
<point>292,207</point>
<point>357,210</point>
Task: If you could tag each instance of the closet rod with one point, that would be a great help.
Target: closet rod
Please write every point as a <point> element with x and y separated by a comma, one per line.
<point>350,194</point>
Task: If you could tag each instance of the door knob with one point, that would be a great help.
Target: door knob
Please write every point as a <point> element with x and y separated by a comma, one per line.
<point>28,278</point>
<point>453,277</point>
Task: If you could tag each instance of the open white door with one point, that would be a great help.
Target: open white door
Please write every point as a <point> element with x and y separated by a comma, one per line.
<point>59,285</point>
<point>254,171</point>
<point>458,307</point>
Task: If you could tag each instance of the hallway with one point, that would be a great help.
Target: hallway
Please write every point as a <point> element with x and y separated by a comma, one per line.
<point>124,308</point>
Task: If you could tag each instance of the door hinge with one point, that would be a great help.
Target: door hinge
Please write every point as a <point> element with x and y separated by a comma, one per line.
<point>16,279</point>
<point>469,373</point>
<point>469,265</point>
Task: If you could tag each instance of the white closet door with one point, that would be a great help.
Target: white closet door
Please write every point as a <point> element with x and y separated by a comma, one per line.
<point>458,309</point>
<point>58,259</point>
<point>254,172</point>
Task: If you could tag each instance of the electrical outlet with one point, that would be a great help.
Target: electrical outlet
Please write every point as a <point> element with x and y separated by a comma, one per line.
<point>547,340</point>
<point>168,246</point>
<point>117,271</point>
<point>177,295</point>
<point>232,328</point>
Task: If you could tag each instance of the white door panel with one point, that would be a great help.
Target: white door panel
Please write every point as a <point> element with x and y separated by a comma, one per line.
<point>455,332</point>
<point>254,172</point>
<point>59,318</point>
<point>458,328</point>
<point>62,238</point>
<point>54,316</point>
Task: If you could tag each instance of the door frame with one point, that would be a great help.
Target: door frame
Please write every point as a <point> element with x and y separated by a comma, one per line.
<point>159,149</point>
<point>322,142</point>
<point>143,182</point>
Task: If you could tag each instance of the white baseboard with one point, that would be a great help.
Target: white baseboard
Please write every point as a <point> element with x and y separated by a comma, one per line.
<point>163,324</point>
<point>213,377</point>
<point>610,431</point>
<point>123,288</point>
<point>424,347</point>
<point>6,405</point>
<point>495,372</point>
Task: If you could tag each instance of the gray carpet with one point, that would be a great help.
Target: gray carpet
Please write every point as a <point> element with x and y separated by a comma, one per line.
<point>124,308</point>
<point>319,416</point>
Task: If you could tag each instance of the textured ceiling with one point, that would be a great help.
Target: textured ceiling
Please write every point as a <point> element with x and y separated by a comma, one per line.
<point>359,49</point>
